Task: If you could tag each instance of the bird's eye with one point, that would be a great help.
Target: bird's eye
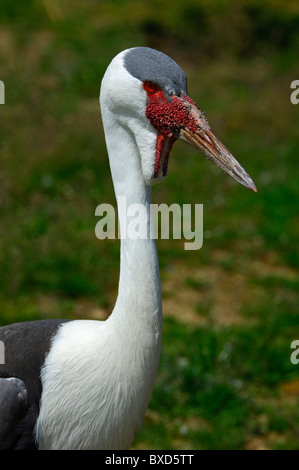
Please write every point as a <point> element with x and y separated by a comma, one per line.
<point>151,88</point>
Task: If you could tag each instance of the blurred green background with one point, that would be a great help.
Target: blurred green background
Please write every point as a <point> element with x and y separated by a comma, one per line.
<point>230,309</point>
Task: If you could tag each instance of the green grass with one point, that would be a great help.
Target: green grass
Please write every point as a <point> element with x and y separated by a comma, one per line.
<point>225,382</point>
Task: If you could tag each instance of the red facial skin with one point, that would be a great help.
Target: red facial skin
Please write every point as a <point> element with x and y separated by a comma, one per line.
<point>164,143</point>
<point>167,115</point>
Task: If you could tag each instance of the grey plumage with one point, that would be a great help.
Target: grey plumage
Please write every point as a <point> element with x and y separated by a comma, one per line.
<point>26,346</point>
<point>13,406</point>
<point>147,64</point>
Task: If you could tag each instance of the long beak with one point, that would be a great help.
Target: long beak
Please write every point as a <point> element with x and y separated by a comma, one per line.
<point>200,136</point>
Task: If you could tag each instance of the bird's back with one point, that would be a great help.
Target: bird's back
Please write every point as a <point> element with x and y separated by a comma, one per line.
<point>25,348</point>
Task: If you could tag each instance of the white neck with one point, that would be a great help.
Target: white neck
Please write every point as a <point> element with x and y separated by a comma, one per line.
<point>138,307</point>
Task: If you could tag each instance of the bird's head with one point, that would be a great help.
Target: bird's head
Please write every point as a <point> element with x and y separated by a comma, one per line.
<point>146,92</point>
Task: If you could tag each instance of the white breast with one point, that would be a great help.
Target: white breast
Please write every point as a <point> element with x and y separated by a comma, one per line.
<point>92,397</point>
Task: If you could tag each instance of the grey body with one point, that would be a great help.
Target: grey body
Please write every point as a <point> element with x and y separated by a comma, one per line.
<point>26,346</point>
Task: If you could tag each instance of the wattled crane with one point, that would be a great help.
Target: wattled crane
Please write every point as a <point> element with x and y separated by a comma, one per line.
<point>86,384</point>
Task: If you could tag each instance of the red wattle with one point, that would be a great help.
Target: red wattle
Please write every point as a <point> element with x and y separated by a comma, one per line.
<point>168,115</point>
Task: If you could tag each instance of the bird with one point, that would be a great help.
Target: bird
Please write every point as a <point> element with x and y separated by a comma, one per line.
<point>86,384</point>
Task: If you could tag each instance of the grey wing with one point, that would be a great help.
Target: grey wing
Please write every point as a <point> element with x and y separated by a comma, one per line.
<point>13,406</point>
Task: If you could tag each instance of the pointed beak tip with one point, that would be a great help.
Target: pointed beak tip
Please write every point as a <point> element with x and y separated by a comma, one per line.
<point>201,137</point>
<point>251,186</point>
